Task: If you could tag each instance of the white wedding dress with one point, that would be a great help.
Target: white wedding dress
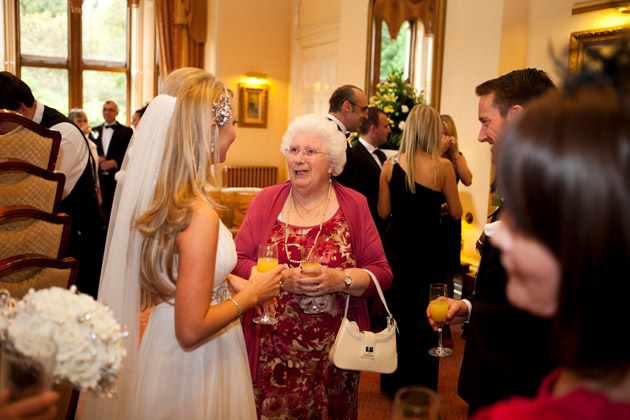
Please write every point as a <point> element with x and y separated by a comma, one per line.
<point>210,382</point>
<point>164,381</point>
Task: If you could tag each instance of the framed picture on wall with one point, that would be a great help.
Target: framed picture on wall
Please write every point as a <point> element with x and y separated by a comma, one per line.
<point>253,102</point>
<point>584,44</point>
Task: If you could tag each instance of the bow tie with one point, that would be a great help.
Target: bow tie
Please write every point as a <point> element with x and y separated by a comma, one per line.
<point>110,126</point>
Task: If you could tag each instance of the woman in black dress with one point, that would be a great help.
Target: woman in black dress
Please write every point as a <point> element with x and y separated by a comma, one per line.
<point>412,186</point>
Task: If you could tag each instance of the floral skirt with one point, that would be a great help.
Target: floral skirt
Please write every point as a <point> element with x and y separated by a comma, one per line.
<point>295,379</point>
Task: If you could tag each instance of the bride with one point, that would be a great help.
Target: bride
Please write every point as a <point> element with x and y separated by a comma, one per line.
<point>167,248</point>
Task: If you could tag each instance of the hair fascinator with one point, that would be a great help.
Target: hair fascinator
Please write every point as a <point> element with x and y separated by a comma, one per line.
<point>222,109</point>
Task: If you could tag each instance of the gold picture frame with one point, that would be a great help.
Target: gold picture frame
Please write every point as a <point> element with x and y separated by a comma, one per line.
<point>253,102</point>
<point>601,40</point>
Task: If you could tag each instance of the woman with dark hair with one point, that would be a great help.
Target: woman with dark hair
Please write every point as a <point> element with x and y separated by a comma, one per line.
<point>564,173</point>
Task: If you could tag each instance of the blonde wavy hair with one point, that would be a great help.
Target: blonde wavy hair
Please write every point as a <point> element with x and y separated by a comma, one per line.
<point>186,174</point>
<point>422,132</point>
<point>449,125</point>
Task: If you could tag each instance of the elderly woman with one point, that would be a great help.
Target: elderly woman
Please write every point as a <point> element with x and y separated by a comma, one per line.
<point>79,117</point>
<point>310,214</point>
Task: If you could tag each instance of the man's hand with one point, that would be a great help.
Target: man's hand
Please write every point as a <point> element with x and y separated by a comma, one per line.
<point>106,165</point>
<point>456,314</point>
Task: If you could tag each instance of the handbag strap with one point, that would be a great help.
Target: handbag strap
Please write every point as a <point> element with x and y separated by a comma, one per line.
<point>380,293</point>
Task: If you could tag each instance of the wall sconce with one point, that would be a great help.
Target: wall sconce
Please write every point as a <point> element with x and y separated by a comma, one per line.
<point>623,6</point>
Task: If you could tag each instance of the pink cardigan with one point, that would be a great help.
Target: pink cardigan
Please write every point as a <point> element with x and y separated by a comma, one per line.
<point>262,214</point>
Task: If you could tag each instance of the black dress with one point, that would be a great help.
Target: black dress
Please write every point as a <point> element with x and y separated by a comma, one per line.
<point>411,247</point>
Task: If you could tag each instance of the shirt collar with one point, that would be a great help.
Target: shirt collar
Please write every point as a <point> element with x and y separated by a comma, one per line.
<point>339,123</point>
<point>39,112</point>
<point>367,145</point>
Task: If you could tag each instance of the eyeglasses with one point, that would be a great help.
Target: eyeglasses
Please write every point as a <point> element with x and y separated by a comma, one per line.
<point>308,152</point>
<point>363,108</point>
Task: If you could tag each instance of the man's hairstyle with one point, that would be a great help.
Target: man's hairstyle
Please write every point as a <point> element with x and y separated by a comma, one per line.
<point>515,88</point>
<point>340,95</point>
<point>140,111</point>
<point>109,101</point>
<point>14,92</point>
<point>372,119</point>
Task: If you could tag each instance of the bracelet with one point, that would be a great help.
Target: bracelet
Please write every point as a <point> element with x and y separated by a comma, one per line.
<point>237,306</point>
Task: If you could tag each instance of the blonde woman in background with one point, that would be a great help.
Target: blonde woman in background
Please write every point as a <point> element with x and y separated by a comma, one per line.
<point>192,362</point>
<point>412,186</point>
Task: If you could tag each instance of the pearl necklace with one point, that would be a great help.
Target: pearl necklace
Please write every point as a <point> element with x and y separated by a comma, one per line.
<point>321,224</point>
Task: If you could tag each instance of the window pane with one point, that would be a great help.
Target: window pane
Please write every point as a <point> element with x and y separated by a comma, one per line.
<point>105,30</point>
<point>101,86</point>
<point>49,86</point>
<point>44,27</point>
<point>394,54</point>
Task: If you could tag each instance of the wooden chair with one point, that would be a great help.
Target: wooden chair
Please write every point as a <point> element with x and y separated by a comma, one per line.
<point>25,230</point>
<point>24,184</point>
<point>20,273</point>
<point>21,138</point>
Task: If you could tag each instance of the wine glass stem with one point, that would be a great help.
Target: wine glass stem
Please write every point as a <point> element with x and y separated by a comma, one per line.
<point>440,337</point>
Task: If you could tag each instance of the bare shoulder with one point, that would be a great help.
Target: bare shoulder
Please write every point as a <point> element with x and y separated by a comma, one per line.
<point>203,216</point>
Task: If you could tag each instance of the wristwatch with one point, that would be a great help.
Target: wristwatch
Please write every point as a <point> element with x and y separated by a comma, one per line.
<point>348,280</point>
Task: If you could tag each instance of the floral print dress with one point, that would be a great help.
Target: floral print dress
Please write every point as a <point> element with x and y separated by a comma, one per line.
<point>295,379</point>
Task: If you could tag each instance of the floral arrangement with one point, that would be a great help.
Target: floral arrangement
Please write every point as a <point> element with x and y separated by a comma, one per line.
<point>85,333</point>
<point>396,97</point>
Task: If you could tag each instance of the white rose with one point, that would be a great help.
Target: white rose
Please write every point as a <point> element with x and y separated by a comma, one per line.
<point>404,109</point>
<point>401,125</point>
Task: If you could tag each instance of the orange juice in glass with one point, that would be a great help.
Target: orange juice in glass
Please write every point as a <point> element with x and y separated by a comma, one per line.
<point>438,305</point>
<point>267,259</point>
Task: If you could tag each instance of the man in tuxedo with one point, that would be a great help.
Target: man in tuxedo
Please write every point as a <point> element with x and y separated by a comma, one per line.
<point>88,232</point>
<point>368,161</point>
<point>112,139</point>
<point>347,108</point>
<point>507,350</point>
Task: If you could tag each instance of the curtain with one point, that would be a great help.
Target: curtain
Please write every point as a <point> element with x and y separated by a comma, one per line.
<point>181,27</point>
<point>395,12</point>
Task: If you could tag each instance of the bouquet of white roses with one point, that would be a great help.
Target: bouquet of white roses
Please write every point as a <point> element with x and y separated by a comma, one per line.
<point>396,97</point>
<point>85,333</point>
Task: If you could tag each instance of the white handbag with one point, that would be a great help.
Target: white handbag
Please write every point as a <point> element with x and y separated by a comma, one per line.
<point>365,350</point>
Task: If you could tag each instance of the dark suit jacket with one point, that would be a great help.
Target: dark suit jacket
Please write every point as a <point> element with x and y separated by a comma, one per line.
<point>117,149</point>
<point>364,178</point>
<point>507,350</point>
<point>117,146</point>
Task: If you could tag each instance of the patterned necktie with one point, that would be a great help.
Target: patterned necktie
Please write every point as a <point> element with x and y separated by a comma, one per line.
<point>380,155</point>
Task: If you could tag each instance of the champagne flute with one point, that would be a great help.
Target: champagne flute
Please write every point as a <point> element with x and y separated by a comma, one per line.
<point>439,306</point>
<point>267,259</point>
<point>415,402</point>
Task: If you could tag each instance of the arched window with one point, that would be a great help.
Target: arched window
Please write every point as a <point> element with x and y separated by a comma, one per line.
<point>407,35</point>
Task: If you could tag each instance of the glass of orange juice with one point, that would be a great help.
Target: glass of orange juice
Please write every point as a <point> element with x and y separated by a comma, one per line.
<point>439,306</point>
<point>267,259</point>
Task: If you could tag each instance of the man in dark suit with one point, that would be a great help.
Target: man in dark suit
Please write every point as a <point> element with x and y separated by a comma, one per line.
<point>507,350</point>
<point>368,160</point>
<point>347,108</point>
<point>112,139</point>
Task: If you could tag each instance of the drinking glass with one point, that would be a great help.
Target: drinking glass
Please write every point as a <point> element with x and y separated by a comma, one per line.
<point>415,402</point>
<point>314,305</point>
<point>267,259</point>
<point>439,306</point>
<point>27,376</point>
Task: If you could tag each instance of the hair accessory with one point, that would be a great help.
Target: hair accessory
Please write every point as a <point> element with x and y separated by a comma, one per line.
<point>222,110</point>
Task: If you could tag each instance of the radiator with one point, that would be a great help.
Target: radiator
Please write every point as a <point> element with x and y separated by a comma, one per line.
<point>249,176</point>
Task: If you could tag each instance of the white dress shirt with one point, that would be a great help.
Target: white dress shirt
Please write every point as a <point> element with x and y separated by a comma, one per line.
<point>73,151</point>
